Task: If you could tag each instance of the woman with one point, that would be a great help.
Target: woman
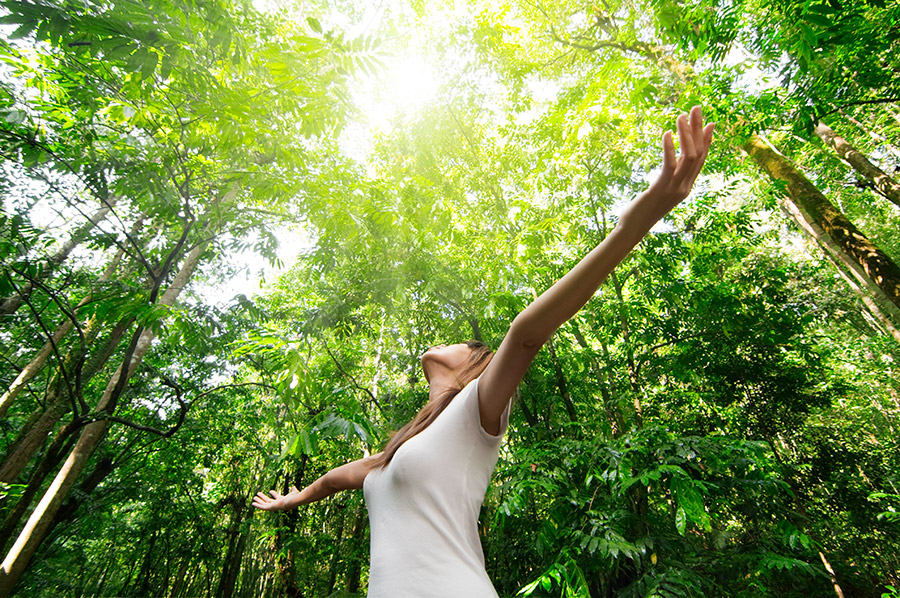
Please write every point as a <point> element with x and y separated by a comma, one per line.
<point>425,490</point>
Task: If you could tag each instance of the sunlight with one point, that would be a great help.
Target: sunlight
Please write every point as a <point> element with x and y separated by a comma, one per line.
<point>406,86</point>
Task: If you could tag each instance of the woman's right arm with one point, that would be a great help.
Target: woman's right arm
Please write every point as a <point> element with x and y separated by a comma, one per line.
<point>537,322</point>
<point>346,477</point>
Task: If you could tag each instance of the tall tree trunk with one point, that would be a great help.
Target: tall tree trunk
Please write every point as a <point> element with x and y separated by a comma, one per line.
<point>882,182</point>
<point>123,591</point>
<point>10,304</point>
<point>796,490</point>
<point>182,573</point>
<point>147,567</point>
<point>519,399</point>
<point>878,273</point>
<point>883,313</point>
<point>101,471</point>
<point>831,575</point>
<point>354,570</point>
<point>37,362</point>
<point>886,143</point>
<point>237,542</point>
<point>33,434</point>
<point>101,581</point>
<point>629,350</point>
<point>336,553</point>
<point>60,445</point>
<point>35,529</point>
<point>613,413</point>
<point>284,558</point>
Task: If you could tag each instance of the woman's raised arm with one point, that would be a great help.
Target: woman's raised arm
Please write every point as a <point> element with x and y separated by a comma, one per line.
<point>537,322</point>
<point>348,476</point>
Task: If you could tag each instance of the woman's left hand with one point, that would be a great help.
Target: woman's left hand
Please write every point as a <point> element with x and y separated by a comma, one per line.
<point>275,502</point>
<point>676,179</point>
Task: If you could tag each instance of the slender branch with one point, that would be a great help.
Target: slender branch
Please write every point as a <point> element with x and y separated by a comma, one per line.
<point>351,378</point>
<point>167,264</point>
<point>236,385</point>
<point>857,103</point>
<point>183,406</point>
<point>139,257</point>
<point>49,335</point>
<point>182,412</point>
<point>642,359</point>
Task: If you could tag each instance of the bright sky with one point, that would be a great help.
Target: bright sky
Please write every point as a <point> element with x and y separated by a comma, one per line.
<point>405,83</point>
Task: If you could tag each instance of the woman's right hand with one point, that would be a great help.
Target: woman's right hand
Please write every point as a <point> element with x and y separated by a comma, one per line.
<point>275,502</point>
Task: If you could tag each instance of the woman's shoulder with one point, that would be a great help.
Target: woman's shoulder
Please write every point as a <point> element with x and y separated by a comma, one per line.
<point>469,405</point>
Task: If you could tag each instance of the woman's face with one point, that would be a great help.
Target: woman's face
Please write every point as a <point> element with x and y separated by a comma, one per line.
<point>451,357</point>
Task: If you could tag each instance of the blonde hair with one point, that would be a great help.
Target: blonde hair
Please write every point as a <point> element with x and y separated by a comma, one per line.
<point>478,360</point>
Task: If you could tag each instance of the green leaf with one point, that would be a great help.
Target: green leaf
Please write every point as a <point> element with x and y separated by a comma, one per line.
<point>149,64</point>
<point>818,19</point>
<point>680,520</point>
<point>23,30</point>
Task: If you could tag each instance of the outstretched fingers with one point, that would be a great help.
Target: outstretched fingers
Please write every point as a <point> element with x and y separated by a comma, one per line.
<point>686,134</point>
<point>695,140</point>
<point>263,501</point>
<point>679,171</point>
<point>670,160</point>
<point>704,137</point>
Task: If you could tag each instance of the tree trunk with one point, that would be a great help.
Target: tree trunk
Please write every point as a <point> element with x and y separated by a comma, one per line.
<point>863,288</point>
<point>354,570</point>
<point>32,437</point>
<point>146,567</point>
<point>58,448</point>
<point>123,591</point>
<point>882,182</point>
<point>336,554</point>
<point>36,528</point>
<point>284,559</point>
<point>237,542</point>
<point>519,400</point>
<point>182,573</point>
<point>613,413</point>
<point>873,267</point>
<point>10,304</point>
<point>787,472</point>
<point>110,561</point>
<point>35,431</point>
<point>629,351</point>
<point>101,471</point>
<point>33,367</point>
<point>37,362</point>
<point>876,136</point>
<point>831,576</point>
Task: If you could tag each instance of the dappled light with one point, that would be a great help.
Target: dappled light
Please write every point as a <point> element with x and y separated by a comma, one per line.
<point>242,243</point>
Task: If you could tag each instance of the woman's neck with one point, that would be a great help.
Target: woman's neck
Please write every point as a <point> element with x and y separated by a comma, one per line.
<point>441,383</point>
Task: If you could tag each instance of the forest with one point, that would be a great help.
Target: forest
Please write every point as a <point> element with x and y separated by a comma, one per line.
<point>229,229</point>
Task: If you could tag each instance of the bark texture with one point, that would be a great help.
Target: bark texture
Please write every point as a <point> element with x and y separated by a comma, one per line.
<point>42,517</point>
<point>883,183</point>
<point>875,269</point>
<point>883,313</point>
<point>38,361</point>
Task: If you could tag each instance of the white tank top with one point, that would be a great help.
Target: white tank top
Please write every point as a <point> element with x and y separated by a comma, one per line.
<point>424,506</point>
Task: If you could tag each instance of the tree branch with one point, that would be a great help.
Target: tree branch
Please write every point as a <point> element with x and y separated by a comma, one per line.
<point>857,103</point>
<point>351,378</point>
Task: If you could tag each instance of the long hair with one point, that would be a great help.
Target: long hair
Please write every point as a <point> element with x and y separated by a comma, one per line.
<point>479,359</point>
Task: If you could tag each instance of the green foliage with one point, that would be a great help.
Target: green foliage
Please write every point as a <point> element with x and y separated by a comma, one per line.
<point>715,422</point>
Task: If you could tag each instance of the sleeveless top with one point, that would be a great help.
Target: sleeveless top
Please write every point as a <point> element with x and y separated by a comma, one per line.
<point>423,508</point>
